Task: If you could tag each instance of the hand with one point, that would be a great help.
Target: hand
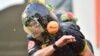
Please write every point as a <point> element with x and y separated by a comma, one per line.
<point>65,40</point>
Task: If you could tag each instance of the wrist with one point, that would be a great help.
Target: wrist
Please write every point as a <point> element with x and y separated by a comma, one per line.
<point>58,44</point>
<point>55,46</point>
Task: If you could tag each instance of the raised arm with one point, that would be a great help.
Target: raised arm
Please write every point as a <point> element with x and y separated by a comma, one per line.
<point>49,50</point>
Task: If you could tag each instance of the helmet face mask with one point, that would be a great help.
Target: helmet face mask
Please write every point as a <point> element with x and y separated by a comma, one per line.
<point>32,21</point>
<point>37,18</point>
<point>39,13</point>
<point>44,20</point>
<point>37,23</point>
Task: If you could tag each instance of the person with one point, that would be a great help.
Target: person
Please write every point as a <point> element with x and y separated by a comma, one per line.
<point>70,17</point>
<point>48,37</point>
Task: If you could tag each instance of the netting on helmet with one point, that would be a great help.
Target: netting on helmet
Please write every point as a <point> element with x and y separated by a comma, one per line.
<point>39,13</point>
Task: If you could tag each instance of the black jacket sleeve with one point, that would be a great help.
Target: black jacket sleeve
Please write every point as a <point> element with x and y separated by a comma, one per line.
<point>36,47</point>
<point>71,29</point>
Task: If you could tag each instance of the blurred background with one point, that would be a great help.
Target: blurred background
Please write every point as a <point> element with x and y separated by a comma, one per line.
<point>13,40</point>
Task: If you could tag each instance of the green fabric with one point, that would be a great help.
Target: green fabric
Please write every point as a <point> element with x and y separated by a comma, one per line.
<point>64,17</point>
<point>49,7</point>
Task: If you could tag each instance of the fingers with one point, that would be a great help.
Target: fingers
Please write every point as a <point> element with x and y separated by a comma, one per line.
<point>72,38</point>
<point>68,36</point>
<point>68,39</point>
<point>65,40</point>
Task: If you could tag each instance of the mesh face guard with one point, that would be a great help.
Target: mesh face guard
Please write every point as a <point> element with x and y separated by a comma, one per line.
<point>37,14</point>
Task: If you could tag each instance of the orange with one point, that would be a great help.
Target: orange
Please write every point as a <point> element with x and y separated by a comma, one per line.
<point>52,27</point>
